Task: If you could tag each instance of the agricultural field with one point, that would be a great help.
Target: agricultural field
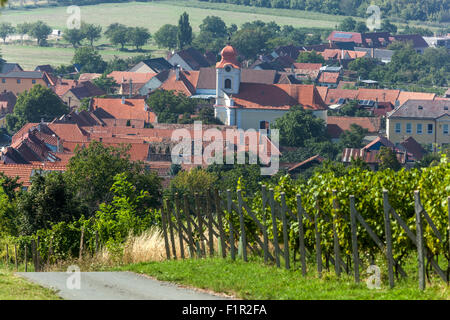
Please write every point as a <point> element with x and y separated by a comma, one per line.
<point>151,15</point>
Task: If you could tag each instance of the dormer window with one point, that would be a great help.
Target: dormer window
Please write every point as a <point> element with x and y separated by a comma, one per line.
<point>420,107</point>
<point>227,84</point>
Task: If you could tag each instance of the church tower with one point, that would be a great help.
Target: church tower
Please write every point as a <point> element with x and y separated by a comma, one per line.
<point>228,75</point>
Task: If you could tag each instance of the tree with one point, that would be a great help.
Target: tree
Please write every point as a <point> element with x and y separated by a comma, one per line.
<point>5,30</point>
<point>73,36</point>
<point>205,41</point>
<point>388,159</point>
<point>91,173</point>
<point>364,66</point>
<point>353,138</point>
<point>169,105</point>
<point>250,41</point>
<point>139,36</point>
<point>105,83</point>
<point>40,30</point>
<point>361,27</point>
<point>49,200</point>
<point>184,34</point>
<point>387,26</point>
<point>166,36</point>
<point>192,181</point>
<point>348,25</point>
<point>91,32</point>
<point>33,105</point>
<point>23,29</point>
<point>298,125</point>
<point>215,26</point>
<point>310,57</point>
<point>89,60</point>
<point>118,34</point>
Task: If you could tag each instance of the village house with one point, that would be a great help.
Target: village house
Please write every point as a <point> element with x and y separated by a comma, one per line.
<point>189,59</point>
<point>155,65</point>
<point>427,121</point>
<point>20,81</point>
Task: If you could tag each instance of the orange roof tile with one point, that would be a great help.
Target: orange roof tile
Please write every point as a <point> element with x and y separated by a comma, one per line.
<point>125,76</point>
<point>329,77</point>
<point>278,96</point>
<point>337,125</point>
<point>406,95</point>
<point>24,171</point>
<point>131,108</point>
<point>382,95</point>
<point>334,95</point>
<point>186,83</point>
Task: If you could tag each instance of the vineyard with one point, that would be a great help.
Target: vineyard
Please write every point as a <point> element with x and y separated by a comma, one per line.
<point>341,221</point>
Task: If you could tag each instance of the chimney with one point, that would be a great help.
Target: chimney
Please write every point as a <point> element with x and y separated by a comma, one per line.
<point>177,72</point>
<point>123,100</point>
<point>372,52</point>
<point>342,54</point>
<point>131,88</point>
<point>58,145</point>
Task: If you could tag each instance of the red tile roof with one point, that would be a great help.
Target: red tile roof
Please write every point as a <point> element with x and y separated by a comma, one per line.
<point>317,158</point>
<point>278,96</point>
<point>337,125</point>
<point>307,66</point>
<point>186,83</point>
<point>125,76</point>
<point>329,77</point>
<point>406,95</point>
<point>381,95</point>
<point>24,171</point>
<point>334,95</point>
<point>131,109</point>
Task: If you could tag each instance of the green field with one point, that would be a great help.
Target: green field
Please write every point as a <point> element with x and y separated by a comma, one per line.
<point>256,281</point>
<point>151,15</point>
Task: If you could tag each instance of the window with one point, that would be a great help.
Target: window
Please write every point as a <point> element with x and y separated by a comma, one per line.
<point>264,125</point>
<point>33,81</point>
<point>398,127</point>
<point>18,80</point>
<point>445,129</point>
<point>3,80</point>
<point>227,84</point>
<point>419,128</point>
<point>430,128</point>
<point>408,128</point>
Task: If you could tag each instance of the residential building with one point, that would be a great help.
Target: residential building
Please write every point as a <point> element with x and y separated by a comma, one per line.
<point>427,121</point>
<point>189,59</point>
<point>20,81</point>
<point>155,65</point>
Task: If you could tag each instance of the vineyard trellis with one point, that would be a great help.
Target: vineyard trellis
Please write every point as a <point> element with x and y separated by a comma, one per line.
<point>274,229</point>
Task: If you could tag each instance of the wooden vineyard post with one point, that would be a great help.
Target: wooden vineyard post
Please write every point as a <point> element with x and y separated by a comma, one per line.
<point>164,227</point>
<point>34,255</point>
<point>210,225</point>
<point>172,236</point>
<point>337,250</point>
<point>387,226</point>
<point>15,257</point>
<point>242,225</point>
<point>26,259</point>
<point>301,234</point>
<point>189,225</point>
<point>220,224</point>
<point>285,233</point>
<point>448,209</point>
<point>230,211</point>
<point>179,224</point>
<point>354,238</point>
<point>419,240</point>
<point>274,227</point>
<point>81,244</point>
<point>7,255</point>
<point>318,246</point>
<point>200,224</point>
<point>266,238</point>
<point>97,243</point>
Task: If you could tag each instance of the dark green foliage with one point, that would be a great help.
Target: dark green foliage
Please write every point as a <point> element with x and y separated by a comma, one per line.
<point>108,84</point>
<point>139,36</point>
<point>352,138</point>
<point>169,105</point>
<point>91,32</point>
<point>73,36</point>
<point>34,105</point>
<point>388,159</point>
<point>89,59</point>
<point>39,30</point>
<point>310,57</point>
<point>166,36</point>
<point>184,32</point>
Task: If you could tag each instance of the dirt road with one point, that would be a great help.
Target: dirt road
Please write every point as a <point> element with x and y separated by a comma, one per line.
<point>113,286</point>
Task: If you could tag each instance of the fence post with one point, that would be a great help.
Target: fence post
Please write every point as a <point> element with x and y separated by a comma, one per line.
<point>210,224</point>
<point>419,240</point>
<point>354,238</point>
<point>164,227</point>
<point>199,223</point>
<point>172,236</point>
<point>318,240</point>
<point>266,238</point>
<point>337,250</point>
<point>223,252</point>
<point>26,259</point>
<point>387,226</point>
<point>34,255</point>
<point>230,210</point>
<point>97,243</point>
<point>189,226</point>
<point>285,233</point>
<point>7,255</point>
<point>15,257</point>
<point>242,225</point>
<point>301,235</point>
<point>81,244</point>
<point>274,227</point>
<point>180,230</point>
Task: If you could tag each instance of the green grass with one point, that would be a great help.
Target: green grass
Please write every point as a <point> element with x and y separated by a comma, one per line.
<point>254,280</point>
<point>13,287</point>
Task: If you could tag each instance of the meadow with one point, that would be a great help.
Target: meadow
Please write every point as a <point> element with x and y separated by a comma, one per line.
<point>151,15</point>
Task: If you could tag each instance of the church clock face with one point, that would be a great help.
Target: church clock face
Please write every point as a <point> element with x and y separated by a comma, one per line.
<point>227,68</point>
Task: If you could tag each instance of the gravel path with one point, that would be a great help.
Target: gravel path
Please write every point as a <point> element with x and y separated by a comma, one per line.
<point>114,286</point>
